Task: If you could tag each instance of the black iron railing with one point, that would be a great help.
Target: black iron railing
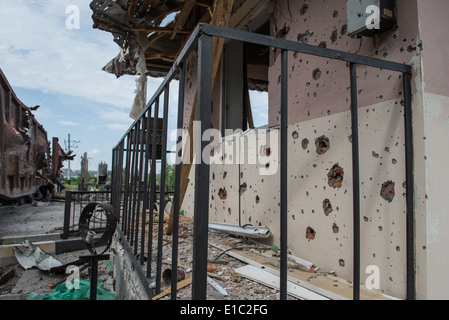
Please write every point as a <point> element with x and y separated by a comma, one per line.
<point>75,201</point>
<point>133,153</point>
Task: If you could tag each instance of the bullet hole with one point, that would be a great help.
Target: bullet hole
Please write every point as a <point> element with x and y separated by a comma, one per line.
<point>394,161</point>
<point>335,228</point>
<point>316,74</point>
<point>229,210</point>
<point>305,143</point>
<point>323,44</point>
<point>398,248</point>
<point>213,175</point>
<point>222,193</point>
<point>387,192</point>
<point>375,155</point>
<point>243,188</point>
<point>322,145</point>
<point>334,36</point>
<point>295,135</point>
<point>335,14</point>
<point>344,29</point>
<point>335,176</point>
<point>304,37</point>
<point>341,262</point>
<point>411,49</point>
<point>310,233</point>
<point>265,151</point>
<point>225,174</point>
<point>257,199</point>
<point>327,207</point>
<point>303,9</point>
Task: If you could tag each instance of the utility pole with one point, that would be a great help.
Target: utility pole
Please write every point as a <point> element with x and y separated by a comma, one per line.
<point>68,178</point>
<point>70,144</point>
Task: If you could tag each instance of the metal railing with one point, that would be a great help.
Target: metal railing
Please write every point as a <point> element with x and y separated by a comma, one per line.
<point>75,201</point>
<point>138,157</point>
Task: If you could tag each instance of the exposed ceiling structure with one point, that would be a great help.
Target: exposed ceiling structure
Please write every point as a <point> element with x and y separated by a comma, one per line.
<point>143,24</point>
<point>162,27</point>
<point>152,33</point>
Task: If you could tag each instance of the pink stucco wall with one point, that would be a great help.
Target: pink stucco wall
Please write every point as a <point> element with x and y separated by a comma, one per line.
<point>311,98</point>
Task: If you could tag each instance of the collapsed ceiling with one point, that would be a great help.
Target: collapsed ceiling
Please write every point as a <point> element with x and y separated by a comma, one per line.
<point>152,33</point>
<point>142,24</point>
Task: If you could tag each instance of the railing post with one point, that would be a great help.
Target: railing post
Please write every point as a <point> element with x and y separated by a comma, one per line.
<point>176,196</point>
<point>355,181</point>
<point>284,180</point>
<point>410,220</point>
<point>201,200</point>
<point>152,185</point>
<point>68,204</point>
<point>162,190</point>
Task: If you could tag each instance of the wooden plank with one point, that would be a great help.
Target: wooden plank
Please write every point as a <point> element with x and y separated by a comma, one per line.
<point>329,286</point>
<point>272,281</point>
<point>181,284</point>
<point>182,17</point>
<point>221,16</point>
<point>150,29</point>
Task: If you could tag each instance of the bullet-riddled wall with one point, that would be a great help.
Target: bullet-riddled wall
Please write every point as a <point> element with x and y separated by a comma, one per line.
<point>319,165</point>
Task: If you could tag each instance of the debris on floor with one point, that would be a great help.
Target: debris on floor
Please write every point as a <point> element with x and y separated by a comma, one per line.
<point>33,256</point>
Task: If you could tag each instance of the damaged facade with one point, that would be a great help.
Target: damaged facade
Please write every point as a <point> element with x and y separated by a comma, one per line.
<point>319,178</point>
<point>28,166</point>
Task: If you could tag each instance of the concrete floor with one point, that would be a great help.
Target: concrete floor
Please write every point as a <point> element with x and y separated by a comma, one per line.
<point>31,219</point>
<point>24,222</point>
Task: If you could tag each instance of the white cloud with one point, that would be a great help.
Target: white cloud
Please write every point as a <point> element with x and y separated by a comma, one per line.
<point>68,123</point>
<point>94,152</point>
<point>39,52</point>
<point>117,126</point>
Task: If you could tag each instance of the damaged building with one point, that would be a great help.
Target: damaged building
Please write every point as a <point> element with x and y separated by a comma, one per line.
<point>29,164</point>
<point>341,174</point>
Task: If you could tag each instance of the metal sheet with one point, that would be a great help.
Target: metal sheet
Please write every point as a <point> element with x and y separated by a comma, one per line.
<point>33,256</point>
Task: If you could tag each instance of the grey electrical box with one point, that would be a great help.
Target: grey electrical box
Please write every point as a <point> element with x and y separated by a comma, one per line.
<point>370,17</point>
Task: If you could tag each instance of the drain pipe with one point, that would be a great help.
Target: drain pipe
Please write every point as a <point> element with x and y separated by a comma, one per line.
<point>247,231</point>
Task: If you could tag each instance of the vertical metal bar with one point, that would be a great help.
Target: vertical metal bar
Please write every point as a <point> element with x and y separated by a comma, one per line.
<point>176,196</point>
<point>139,182</point>
<point>152,186</point>
<point>284,181</point>
<point>113,174</point>
<point>356,181</point>
<point>126,193</point>
<point>201,199</point>
<point>68,203</point>
<point>162,190</point>
<point>409,184</point>
<point>224,62</point>
<point>135,178</point>
<point>120,181</point>
<point>145,186</point>
<point>93,277</point>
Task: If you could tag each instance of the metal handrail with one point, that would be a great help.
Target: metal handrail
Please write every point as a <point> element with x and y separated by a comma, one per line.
<point>201,37</point>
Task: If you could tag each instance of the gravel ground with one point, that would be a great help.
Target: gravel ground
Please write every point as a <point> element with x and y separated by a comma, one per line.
<point>47,218</point>
<point>221,266</point>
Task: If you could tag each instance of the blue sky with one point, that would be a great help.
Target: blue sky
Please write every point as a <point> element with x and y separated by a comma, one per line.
<point>60,69</point>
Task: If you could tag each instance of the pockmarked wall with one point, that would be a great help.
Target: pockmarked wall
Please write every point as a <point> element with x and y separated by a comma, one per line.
<point>319,165</point>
